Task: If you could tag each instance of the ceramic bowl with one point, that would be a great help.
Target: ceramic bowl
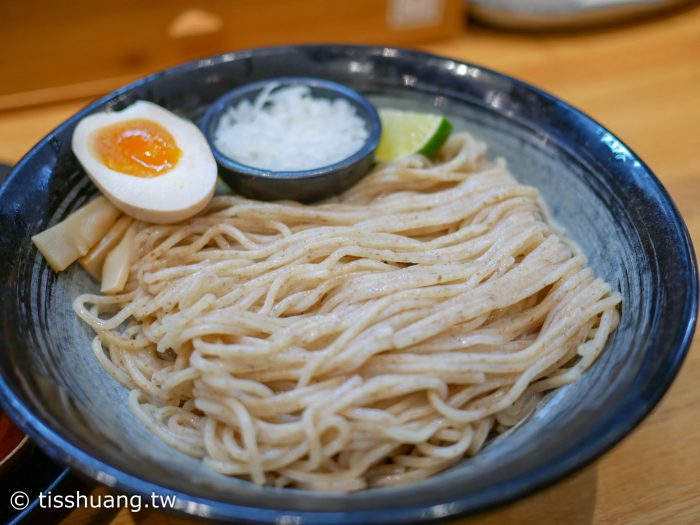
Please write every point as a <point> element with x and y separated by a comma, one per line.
<point>605,197</point>
<point>303,185</point>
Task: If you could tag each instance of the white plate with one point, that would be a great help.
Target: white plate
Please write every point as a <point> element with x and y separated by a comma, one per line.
<point>551,14</point>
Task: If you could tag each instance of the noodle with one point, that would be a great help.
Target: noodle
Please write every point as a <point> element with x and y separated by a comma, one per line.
<point>368,341</point>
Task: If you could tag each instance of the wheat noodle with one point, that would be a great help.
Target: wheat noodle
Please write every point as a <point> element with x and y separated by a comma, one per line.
<point>368,341</point>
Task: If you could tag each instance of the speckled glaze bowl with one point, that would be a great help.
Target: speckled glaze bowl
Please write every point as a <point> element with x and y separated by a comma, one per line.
<point>601,192</point>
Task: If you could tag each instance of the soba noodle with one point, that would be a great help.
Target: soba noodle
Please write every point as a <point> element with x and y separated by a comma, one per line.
<point>368,341</point>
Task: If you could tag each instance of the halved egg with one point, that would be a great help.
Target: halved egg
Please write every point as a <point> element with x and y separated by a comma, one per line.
<point>149,162</point>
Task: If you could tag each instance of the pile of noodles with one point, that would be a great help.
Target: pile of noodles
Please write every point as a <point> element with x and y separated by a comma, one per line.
<point>367,341</point>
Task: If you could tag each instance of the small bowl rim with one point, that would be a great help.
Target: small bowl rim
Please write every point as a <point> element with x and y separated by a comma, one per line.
<point>371,117</point>
<point>14,454</point>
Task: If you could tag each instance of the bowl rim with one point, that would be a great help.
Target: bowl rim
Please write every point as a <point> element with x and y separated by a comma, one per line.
<point>65,452</point>
<point>369,115</point>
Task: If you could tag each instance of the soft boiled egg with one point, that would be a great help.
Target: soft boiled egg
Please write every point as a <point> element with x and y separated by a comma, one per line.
<point>150,163</point>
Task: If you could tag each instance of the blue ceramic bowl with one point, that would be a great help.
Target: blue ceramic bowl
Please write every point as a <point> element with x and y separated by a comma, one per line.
<point>307,185</point>
<point>600,191</point>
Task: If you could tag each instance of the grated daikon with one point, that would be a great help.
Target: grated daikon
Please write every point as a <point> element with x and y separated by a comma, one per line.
<point>287,129</point>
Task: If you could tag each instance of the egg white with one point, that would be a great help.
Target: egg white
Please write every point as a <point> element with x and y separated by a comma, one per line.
<point>178,194</point>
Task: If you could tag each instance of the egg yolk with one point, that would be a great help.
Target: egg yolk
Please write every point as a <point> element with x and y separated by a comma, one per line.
<point>137,147</point>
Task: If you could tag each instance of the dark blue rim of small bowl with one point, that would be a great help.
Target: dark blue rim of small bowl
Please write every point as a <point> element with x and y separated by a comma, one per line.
<point>61,450</point>
<point>216,110</point>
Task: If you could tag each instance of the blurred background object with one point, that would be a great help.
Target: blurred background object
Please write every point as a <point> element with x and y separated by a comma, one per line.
<point>66,50</point>
<point>562,14</point>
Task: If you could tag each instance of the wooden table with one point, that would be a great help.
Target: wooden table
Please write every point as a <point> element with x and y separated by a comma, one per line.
<point>643,82</point>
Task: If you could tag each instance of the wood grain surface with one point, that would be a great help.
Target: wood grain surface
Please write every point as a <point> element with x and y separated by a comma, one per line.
<point>86,48</point>
<point>642,81</point>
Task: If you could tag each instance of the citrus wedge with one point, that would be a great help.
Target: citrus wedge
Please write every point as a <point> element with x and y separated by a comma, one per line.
<point>407,132</point>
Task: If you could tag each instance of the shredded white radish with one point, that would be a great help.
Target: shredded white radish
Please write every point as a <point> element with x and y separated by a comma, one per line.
<point>288,129</point>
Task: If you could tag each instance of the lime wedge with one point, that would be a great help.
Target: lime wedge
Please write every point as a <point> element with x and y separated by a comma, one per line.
<point>407,132</point>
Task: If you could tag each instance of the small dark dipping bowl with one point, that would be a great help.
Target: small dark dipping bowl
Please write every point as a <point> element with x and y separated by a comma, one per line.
<point>305,185</point>
<point>606,198</point>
